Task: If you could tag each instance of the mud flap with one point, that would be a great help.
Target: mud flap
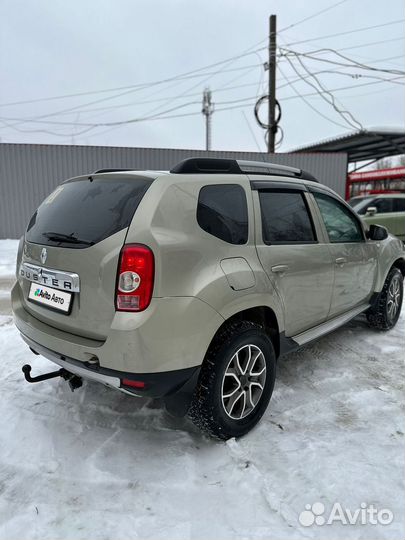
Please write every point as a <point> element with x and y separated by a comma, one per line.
<point>178,404</point>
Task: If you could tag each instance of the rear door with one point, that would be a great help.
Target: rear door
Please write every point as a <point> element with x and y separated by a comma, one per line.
<point>354,257</point>
<point>79,231</point>
<point>295,258</point>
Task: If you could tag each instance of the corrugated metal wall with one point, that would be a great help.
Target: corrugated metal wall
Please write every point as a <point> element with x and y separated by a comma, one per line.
<point>28,172</point>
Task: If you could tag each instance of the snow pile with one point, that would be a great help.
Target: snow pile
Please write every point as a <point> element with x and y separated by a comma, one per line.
<point>8,253</point>
<point>99,464</point>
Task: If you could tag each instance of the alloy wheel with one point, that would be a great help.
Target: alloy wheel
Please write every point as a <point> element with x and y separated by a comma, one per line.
<point>243,381</point>
<point>394,297</point>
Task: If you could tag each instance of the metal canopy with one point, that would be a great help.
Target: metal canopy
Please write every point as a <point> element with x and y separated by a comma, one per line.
<point>362,145</point>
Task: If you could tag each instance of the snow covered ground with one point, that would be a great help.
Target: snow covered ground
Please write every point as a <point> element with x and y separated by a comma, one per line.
<point>98,464</point>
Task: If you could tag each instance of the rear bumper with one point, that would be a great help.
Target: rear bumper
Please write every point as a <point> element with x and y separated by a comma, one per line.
<point>172,334</point>
<point>157,385</point>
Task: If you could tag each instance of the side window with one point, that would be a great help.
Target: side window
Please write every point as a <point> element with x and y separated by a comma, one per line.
<point>222,212</point>
<point>340,223</point>
<point>399,205</point>
<point>383,205</point>
<point>285,218</point>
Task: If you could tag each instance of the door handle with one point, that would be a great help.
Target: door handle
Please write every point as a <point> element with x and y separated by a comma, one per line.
<point>279,268</point>
<point>341,260</point>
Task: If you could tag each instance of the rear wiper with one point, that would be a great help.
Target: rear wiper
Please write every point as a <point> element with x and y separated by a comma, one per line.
<point>68,238</point>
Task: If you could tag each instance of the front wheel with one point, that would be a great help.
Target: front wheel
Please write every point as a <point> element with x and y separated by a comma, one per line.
<point>236,382</point>
<point>386,311</point>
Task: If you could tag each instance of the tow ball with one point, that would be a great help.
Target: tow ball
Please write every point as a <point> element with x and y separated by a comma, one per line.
<point>73,380</point>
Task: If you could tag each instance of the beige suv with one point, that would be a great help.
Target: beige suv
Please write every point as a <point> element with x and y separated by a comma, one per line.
<point>188,285</point>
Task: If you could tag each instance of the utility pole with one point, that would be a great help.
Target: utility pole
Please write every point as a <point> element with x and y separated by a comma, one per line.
<point>272,84</point>
<point>207,110</point>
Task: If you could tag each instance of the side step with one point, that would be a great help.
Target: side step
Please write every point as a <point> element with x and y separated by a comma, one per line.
<point>328,326</point>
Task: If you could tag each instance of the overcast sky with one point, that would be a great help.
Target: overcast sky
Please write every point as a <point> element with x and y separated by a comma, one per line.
<point>52,48</point>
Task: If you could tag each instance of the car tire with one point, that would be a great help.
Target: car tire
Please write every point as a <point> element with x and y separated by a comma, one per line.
<point>235,383</point>
<point>386,310</point>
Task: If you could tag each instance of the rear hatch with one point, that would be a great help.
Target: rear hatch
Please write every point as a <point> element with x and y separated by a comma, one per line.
<point>72,243</point>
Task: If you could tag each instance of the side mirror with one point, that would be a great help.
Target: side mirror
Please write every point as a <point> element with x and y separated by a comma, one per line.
<point>371,211</point>
<point>377,232</point>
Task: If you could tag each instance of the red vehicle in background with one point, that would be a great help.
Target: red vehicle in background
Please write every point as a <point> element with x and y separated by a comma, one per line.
<point>375,182</point>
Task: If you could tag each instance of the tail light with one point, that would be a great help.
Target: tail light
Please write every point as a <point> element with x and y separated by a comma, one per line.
<point>136,273</point>
<point>134,384</point>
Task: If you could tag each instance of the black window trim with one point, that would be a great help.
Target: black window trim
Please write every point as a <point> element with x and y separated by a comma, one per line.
<point>345,205</point>
<point>286,188</point>
<point>271,185</point>
<point>247,213</point>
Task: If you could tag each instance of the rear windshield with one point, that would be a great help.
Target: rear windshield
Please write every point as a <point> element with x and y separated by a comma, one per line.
<point>80,213</point>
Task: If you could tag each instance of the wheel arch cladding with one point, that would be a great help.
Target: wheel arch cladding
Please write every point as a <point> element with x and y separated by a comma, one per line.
<point>400,264</point>
<point>261,315</point>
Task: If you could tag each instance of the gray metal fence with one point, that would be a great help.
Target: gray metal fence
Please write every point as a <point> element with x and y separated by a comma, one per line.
<point>28,172</point>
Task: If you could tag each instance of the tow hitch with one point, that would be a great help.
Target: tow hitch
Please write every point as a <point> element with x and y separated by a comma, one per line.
<point>73,380</point>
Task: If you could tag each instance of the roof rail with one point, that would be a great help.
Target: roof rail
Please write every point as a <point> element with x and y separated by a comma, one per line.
<point>237,166</point>
<point>207,166</point>
<point>111,170</point>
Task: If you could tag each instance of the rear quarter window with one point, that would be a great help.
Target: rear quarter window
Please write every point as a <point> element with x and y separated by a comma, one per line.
<point>222,212</point>
<point>89,210</point>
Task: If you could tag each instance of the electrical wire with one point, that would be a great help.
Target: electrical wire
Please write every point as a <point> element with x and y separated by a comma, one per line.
<point>77,107</point>
<point>354,63</point>
<point>251,131</point>
<point>250,99</point>
<point>310,104</point>
<point>370,43</point>
<point>355,76</point>
<point>344,113</point>
<point>222,69</point>
<point>247,102</point>
<point>139,85</point>
<point>231,88</point>
<point>312,16</point>
<point>354,31</point>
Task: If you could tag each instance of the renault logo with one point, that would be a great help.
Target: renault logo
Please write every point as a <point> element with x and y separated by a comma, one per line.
<point>44,255</point>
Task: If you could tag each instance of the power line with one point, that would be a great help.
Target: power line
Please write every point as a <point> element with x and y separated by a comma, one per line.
<point>147,85</point>
<point>251,131</point>
<point>286,52</point>
<point>133,86</point>
<point>72,109</point>
<point>210,76</point>
<point>370,43</point>
<point>345,114</point>
<point>360,64</point>
<point>354,31</point>
<point>249,103</point>
<point>98,124</point>
<point>197,102</point>
<point>227,89</point>
<point>157,117</point>
<point>181,78</point>
<point>310,104</point>
<point>312,16</point>
<point>338,89</point>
